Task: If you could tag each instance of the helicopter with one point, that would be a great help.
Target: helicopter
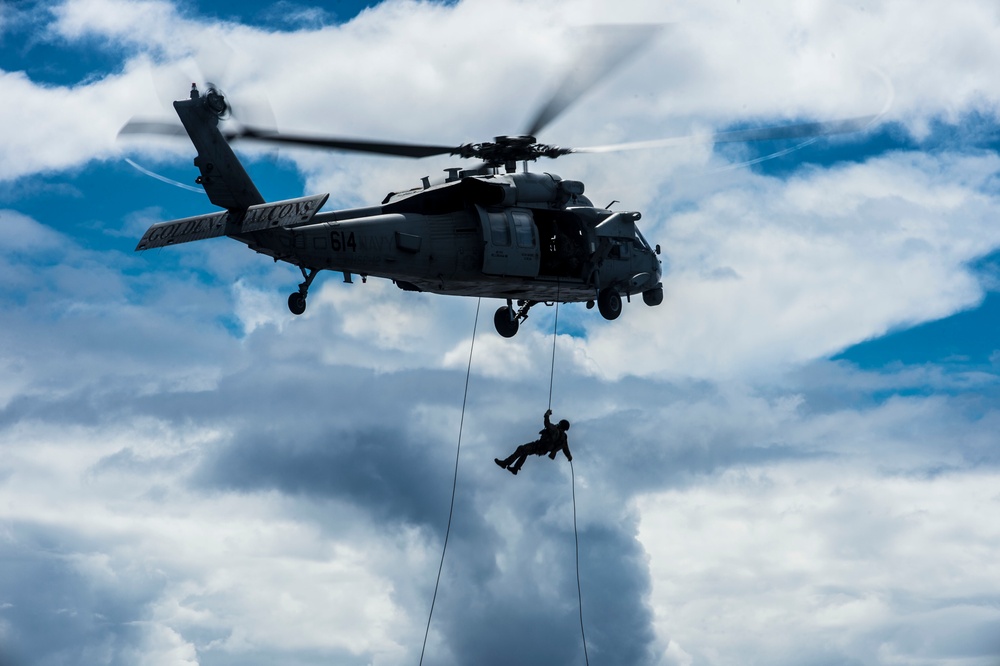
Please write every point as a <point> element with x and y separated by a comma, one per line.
<point>490,230</point>
<point>516,235</point>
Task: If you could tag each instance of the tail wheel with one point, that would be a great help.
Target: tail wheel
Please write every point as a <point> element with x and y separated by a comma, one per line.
<point>297,302</point>
<point>505,322</point>
<point>609,303</point>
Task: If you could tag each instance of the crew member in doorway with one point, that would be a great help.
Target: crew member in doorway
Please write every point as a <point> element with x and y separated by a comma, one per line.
<point>552,440</point>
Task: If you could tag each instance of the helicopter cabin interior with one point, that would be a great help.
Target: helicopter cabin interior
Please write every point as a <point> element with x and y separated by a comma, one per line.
<point>529,243</point>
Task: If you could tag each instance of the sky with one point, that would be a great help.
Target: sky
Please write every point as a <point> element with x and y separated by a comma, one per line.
<point>791,461</point>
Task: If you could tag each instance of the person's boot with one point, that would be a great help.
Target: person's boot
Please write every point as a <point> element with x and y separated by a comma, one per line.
<point>512,470</point>
<point>500,463</point>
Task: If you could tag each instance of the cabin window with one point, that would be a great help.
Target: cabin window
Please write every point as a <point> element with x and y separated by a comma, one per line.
<point>499,230</point>
<point>523,226</point>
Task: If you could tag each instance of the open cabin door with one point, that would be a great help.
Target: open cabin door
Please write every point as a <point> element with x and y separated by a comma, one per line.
<point>510,240</point>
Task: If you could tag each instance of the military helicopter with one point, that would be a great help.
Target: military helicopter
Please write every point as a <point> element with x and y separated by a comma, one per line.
<point>490,230</point>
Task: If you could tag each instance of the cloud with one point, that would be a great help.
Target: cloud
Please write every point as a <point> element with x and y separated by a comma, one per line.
<point>367,89</point>
<point>853,566</point>
<point>901,229</point>
<point>190,475</point>
<point>281,472</point>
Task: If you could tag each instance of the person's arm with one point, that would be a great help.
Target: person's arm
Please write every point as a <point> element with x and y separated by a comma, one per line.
<point>564,447</point>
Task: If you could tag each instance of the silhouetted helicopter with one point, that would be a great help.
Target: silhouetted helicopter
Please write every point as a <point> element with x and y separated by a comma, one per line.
<point>489,230</point>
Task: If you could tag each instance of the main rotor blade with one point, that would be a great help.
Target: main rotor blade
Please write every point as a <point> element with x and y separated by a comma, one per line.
<point>602,49</point>
<point>798,131</point>
<point>330,143</point>
<point>335,143</point>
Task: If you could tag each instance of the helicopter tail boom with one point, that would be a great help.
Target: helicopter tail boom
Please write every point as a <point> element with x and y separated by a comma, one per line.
<point>286,214</point>
<point>225,180</point>
<point>227,184</point>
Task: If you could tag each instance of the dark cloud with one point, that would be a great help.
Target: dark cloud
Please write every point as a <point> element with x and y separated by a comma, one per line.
<point>58,612</point>
<point>616,571</point>
<point>297,432</point>
<point>953,632</point>
<point>394,478</point>
<point>528,612</point>
<point>299,657</point>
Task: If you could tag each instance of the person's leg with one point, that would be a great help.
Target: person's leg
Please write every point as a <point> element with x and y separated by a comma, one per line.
<point>519,452</point>
<point>522,454</point>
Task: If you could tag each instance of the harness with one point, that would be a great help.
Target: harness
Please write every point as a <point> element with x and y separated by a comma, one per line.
<point>549,442</point>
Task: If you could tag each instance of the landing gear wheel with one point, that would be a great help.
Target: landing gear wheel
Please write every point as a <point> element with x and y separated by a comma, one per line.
<point>505,322</point>
<point>297,302</point>
<point>609,302</point>
<point>297,299</point>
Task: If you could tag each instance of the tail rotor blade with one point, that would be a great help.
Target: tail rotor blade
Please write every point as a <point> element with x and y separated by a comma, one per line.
<point>162,128</point>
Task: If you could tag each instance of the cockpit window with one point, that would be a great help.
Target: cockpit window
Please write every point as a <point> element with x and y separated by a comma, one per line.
<point>621,249</point>
<point>642,239</point>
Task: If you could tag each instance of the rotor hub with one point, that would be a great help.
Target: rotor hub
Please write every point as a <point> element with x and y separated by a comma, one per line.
<point>216,102</point>
<point>508,150</point>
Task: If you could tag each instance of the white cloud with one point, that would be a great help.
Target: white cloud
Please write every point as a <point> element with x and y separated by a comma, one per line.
<point>824,561</point>
<point>244,569</point>
<point>422,71</point>
<point>217,481</point>
<point>770,273</point>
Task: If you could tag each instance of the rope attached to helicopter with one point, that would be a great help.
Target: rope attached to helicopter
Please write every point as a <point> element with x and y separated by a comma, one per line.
<point>555,330</point>
<point>572,472</point>
<point>579,590</point>
<point>454,482</point>
<point>454,486</point>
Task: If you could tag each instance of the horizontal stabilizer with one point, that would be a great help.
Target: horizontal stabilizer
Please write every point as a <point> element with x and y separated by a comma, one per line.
<point>189,229</point>
<point>290,213</point>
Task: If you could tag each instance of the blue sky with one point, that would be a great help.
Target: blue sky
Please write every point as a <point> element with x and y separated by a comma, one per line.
<point>792,460</point>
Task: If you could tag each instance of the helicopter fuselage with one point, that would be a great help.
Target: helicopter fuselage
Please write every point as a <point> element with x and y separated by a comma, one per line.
<point>448,240</point>
<point>529,237</point>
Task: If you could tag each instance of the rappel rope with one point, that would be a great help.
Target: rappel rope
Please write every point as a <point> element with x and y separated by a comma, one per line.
<point>572,472</point>
<point>454,483</point>
<point>454,487</point>
<point>579,590</point>
<point>552,366</point>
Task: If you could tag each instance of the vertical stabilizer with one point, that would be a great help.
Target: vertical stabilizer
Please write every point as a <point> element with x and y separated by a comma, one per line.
<point>225,180</point>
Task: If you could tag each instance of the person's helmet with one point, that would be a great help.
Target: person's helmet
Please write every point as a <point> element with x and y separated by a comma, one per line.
<point>564,425</point>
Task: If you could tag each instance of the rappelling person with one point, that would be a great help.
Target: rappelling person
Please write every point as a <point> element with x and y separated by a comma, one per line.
<point>552,440</point>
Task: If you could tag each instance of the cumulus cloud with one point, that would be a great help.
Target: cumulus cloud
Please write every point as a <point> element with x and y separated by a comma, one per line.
<point>854,566</point>
<point>784,262</point>
<point>192,476</point>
